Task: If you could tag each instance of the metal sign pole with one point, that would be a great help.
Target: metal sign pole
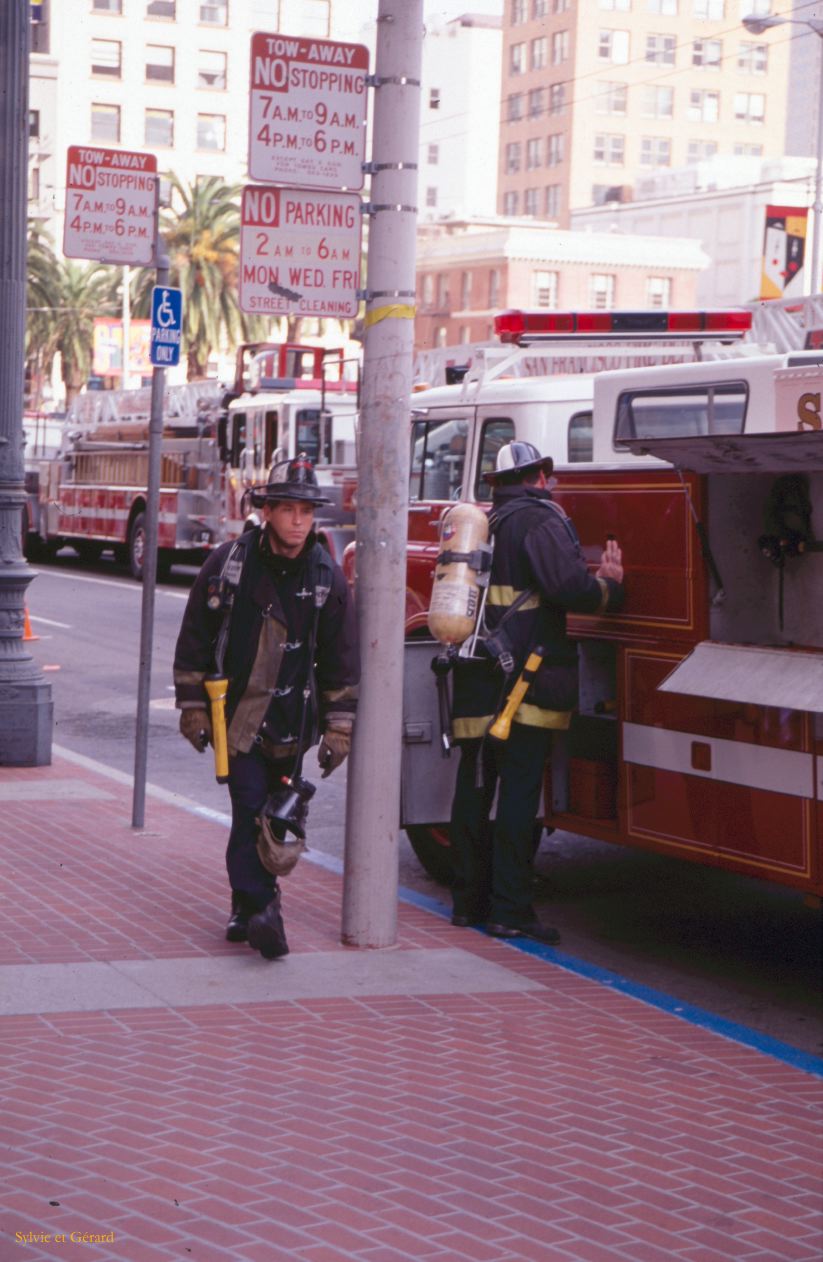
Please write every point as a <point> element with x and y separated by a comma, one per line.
<point>158,386</point>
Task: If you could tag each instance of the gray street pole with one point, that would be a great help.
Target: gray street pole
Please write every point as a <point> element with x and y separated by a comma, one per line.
<point>372,806</point>
<point>25,697</point>
<point>818,174</point>
<point>141,735</point>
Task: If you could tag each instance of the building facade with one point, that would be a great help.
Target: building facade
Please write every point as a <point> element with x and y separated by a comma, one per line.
<point>596,93</point>
<point>460,117</point>
<point>469,271</point>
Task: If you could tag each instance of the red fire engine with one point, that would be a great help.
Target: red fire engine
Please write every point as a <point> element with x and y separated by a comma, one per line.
<point>699,731</point>
<point>91,493</point>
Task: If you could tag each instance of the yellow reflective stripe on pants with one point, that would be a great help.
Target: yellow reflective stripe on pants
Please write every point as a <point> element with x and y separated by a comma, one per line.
<point>467,729</point>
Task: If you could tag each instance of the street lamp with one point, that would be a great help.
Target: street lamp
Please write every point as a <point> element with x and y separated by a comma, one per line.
<point>759,26</point>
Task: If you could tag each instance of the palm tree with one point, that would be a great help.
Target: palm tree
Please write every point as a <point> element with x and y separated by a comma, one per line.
<point>41,299</point>
<point>203,241</point>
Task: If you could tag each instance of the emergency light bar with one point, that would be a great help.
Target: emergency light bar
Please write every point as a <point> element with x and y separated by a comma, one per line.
<point>526,327</point>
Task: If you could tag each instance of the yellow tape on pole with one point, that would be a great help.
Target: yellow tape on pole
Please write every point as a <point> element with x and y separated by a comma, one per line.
<point>397,311</point>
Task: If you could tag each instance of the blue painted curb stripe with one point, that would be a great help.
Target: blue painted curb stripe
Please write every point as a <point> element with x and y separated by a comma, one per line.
<point>655,998</point>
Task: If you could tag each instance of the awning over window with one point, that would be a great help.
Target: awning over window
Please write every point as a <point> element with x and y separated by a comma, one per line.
<point>736,453</point>
<point>783,678</point>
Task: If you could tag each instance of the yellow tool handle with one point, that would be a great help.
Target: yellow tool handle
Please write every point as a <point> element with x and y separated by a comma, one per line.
<point>502,725</point>
<point>217,689</point>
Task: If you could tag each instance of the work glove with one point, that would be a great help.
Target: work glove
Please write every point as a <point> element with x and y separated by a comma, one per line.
<point>195,725</point>
<point>334,748</point>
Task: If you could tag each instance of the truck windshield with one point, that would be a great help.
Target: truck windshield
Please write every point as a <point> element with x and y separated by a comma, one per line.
<point>692,411</point>
<point>314,435</point>
<point>438,457</point>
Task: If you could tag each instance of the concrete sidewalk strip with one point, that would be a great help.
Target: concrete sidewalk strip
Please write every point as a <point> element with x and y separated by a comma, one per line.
<point>51,791</point>
<point>246,978</point>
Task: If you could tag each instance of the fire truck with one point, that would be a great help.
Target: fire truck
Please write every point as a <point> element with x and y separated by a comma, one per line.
<point>91,493</point>
<point>699,729</point>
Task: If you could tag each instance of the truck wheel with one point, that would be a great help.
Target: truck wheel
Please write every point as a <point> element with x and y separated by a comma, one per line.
<point>137,545</point>
<point>431,846</point>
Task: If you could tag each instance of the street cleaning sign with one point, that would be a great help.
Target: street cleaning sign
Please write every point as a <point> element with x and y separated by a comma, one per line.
<point>299,252</point>
<point>307,113</point>
<point>111,206</point>
<point>166,326</point>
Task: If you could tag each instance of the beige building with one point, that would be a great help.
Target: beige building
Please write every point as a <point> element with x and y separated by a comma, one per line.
<point>469,270</point>
<point>597,93</point>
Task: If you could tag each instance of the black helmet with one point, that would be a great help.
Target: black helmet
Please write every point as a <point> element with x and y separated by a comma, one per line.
<point>290,480</point>
<point>516,458</point>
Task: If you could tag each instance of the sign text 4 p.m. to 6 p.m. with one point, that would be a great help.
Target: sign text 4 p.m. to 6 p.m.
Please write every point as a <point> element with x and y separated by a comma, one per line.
<point>307,112</point>
<point>111,206</point>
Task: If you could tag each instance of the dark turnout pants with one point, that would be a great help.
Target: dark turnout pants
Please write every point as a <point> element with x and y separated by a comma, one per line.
<point>251,779</point>
<point>492,861</point>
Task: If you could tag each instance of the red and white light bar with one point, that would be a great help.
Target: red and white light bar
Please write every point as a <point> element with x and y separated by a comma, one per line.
<point>525,327</point>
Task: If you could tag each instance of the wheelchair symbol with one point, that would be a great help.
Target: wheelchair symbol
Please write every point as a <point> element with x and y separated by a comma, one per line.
<point>165,311</point>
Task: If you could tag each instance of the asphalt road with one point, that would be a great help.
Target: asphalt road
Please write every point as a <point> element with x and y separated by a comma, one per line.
<point>743,950</point>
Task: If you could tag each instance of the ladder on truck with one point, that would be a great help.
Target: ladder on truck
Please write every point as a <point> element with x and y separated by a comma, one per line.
<point>789,324</point>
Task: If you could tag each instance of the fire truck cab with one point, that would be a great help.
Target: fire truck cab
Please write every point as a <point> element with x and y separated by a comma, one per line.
<point>699,729</point>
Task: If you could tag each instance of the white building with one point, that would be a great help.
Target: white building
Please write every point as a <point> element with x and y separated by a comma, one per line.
<point>723,205</point>
<point>460,117</point>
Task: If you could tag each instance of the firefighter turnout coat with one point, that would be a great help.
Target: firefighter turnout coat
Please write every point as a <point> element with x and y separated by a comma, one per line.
<point>536,551</point>
<point>267,652</point>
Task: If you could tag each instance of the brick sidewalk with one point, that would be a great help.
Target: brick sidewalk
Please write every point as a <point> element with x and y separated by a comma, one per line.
<point>331,1116</point>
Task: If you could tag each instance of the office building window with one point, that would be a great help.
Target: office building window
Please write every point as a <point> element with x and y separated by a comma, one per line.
<point>544,289</point>
<point>560,6</point>
<point>700,150</point>
<point>520,12</point>
<point>536,102</point>
<point>215,12</point>
<point>666,8</point>
<point>511,202</point>
<point>655,151</point>
<point>748,151</point>
<point>159,63</point>
<point>531,202</point>
<point>434,98</point>
<point>494,287</point>
<point>465,290</point>
<point>443,295</point>
<point>555,149</point>
<point>660,49</point>
<point>517,59</point>
<point>540,52</point>
<point>211,131</point>
<point>658,291</point>
<point>211,69</point>
<point>34,184</point>
<point>704,107</point>
<point>601,291</point>
<point>658,101</point>
<point>433,155</point>
<point>105,122</point>
<point>34,124</point>
<point>514,106</point>
<point>609,149</point>
<point>756,8</point>
<point>614,5</point>
<point>551,201</point>
<point>159,129</point>
<point>707,53</point>
<point>540,8</point>
<point>162,9</point>
<point>431,196</point>
<point>753,58</point>
<point>749,107</point>
<point>611,98</point>
<point>557,98</point>
<point>512,156</point>
<point>709,10</point>
<point>560,47</point>
<point>107,6</point>
<point>532,153</point>
<point>106,58</point>
<point>427,290</point>
<point>613,46</point>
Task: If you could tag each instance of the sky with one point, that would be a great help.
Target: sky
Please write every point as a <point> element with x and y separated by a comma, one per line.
<point>352,16</point>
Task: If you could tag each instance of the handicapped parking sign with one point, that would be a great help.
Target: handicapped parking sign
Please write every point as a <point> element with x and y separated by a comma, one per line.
<point>166,326</point>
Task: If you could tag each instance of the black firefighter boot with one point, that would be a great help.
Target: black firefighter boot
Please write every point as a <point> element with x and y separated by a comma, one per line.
<point>266,933</point>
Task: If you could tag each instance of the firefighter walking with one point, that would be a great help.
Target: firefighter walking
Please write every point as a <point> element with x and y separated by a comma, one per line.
<point>508,699</point>
<point>272,613</point>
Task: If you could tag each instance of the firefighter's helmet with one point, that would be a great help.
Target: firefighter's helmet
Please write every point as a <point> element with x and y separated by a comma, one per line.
<point>290,480</point>
<point>516,458</point>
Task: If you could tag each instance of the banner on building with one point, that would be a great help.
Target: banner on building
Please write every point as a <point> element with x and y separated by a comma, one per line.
<point>108,347</point>
<point>784,248</point>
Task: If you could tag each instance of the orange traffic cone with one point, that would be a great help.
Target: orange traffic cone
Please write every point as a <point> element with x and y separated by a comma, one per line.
<point>28,634</point>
